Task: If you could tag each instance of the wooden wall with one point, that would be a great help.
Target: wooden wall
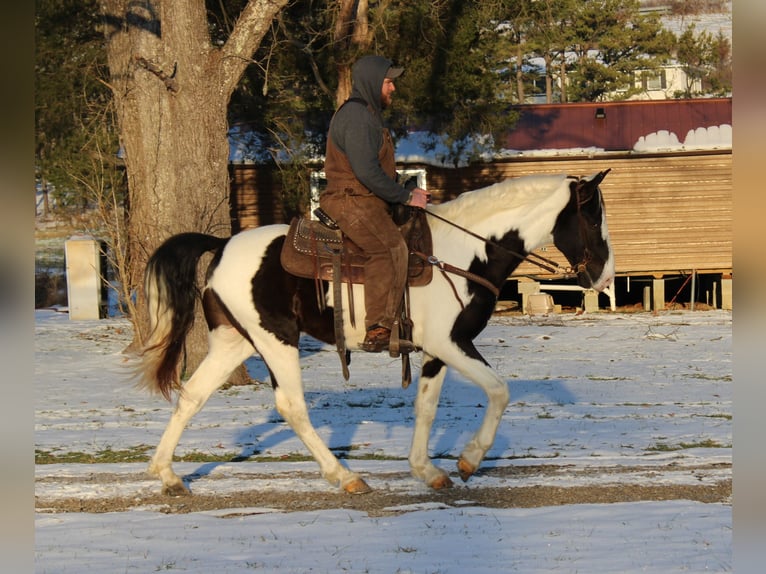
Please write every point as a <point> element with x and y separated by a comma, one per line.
<point>254,198</point>
<point>667,213</point>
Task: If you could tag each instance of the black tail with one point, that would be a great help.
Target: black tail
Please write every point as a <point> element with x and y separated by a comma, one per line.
<point>171,291</point>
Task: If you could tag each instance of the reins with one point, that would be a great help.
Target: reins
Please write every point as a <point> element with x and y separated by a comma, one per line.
<point>447,268</point>
<point>542,262</point>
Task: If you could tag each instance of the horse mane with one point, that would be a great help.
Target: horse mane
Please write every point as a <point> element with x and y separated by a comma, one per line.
<point>515,193</point>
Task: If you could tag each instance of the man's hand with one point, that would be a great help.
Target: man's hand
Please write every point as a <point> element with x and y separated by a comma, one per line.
<point>419,198</point>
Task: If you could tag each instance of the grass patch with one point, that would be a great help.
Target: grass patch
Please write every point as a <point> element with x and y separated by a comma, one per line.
<point>207,457</point>
<point>704,377</point>
<point>141,454</point>
<point>707,443</point>
<point>135,454</point>
<point>645,405</point>
<point>372,456</point>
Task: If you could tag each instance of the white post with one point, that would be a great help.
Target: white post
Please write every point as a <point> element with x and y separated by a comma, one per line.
<point>83,273</point>
<point>726,292</point>
<point>527,288</point>
<point>658,288</point>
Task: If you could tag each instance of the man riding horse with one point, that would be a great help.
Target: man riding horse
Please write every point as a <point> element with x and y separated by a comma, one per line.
<point>361,188</point>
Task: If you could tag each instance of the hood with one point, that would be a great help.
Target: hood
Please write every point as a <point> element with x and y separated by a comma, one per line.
<point>367,75</point>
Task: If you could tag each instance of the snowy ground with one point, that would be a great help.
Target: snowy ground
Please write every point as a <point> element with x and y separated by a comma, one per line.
<point>648,395</point>
<point>709,23</point>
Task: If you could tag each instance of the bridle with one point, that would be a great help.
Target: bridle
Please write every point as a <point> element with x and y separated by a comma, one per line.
<point>582,266</point>
<point>533,258</point>
<point>542,262</point>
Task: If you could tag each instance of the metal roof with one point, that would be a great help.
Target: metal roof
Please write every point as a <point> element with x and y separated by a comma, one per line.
<point>578,125</point>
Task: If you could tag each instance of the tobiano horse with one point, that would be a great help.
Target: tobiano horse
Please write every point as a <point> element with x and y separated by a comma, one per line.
<point>252,305</point>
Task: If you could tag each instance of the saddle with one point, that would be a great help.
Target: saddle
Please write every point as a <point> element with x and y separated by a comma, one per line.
<point>320,251</point>
<point>311,246</point>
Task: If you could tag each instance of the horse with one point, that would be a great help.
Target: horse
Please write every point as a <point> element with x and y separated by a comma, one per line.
<point>251,304</point>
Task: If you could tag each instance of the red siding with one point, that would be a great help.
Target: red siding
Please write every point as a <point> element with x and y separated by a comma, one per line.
<point>564,126</point>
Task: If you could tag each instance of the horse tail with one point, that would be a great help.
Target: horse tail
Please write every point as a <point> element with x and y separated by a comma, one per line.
<point>170,285</point>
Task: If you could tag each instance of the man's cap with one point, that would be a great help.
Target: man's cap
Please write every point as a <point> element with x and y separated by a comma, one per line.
<point>394,72</point>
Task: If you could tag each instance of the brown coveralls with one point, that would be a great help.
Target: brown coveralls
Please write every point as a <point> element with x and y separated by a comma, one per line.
<point>366,220</point>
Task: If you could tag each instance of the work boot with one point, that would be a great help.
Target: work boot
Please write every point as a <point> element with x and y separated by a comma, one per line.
<point>376,339</point>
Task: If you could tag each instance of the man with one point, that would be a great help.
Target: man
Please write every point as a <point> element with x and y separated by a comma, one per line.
<point>361,188</point>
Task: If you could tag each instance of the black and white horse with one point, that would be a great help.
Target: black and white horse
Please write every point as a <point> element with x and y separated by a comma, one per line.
<point>252,305</point>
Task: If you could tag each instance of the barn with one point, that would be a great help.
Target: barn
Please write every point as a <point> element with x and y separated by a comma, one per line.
<point>668,196</point>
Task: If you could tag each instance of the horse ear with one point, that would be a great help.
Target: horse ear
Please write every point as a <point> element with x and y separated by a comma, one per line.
<point>600,176</point>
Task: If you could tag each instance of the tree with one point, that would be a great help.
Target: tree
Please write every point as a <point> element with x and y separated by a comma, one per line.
<point>456,86</point>
<point>589,50</point>
<point>171,85</point>
<point>455,82</point>
<point>75,130</point>
<point>549,35</point>
<point>613,41</point>
<point>706,62</point>
<point>70,95</point>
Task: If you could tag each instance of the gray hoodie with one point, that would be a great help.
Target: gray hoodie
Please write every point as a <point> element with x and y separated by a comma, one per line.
<point>357,129</point>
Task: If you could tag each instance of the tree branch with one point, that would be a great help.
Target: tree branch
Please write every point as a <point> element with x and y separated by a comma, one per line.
<point>168,80</point>
<point>250,28</point>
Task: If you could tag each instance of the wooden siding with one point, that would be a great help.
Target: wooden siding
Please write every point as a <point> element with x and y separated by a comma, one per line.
<point>254,196</point>
<point>667,213</point>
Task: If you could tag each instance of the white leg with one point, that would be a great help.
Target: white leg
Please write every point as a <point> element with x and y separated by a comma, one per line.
<point>283,362</point>
<point>227,350</point>
<point>498,397</point>
<point>427,400</point>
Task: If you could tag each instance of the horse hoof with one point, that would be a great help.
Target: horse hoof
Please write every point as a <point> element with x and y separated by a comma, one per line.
<point>177,489</point>
<point>465,469</point>
<point>357,486</point>
<point>441,482</point>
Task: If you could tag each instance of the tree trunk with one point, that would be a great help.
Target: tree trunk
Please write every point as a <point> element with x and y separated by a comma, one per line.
<point>563,77</point>
<point>172,89</point>
<point>46,199</point>
<point>352,36</point>
<point>548,79</point>
<point>520,73</point>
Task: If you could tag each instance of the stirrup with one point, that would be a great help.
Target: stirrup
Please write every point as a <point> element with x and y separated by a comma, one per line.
<point>376,339</point>
<point>398,346</point>
<point>404,347</point>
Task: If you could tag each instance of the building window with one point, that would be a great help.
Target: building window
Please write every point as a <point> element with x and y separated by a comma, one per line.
<point>654,81</point>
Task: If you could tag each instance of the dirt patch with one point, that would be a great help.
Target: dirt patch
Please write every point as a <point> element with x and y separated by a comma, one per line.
<point>383,502</point>
<point>380,503</point>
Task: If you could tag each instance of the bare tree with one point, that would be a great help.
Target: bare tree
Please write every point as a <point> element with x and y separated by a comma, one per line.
<point>171,87</point>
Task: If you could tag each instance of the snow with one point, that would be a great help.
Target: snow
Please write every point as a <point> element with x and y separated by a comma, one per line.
<point>641,537</point>
<point>424,148</point>
<point>712,23</point>
<point>598,399</point>
<point>712,137</point>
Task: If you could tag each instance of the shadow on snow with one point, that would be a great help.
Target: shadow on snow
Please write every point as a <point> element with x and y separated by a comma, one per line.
<point>392,407</point>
